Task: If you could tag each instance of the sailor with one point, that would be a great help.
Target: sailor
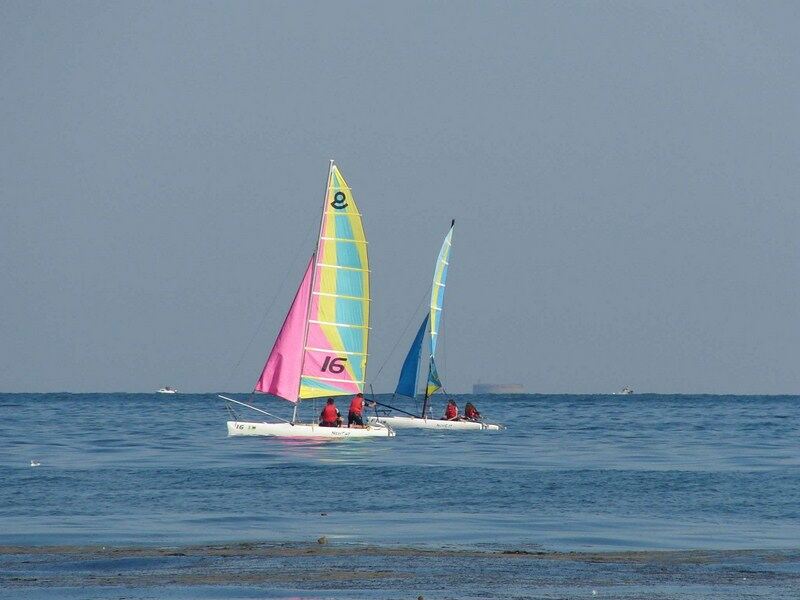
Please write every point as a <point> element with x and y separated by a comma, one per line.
<point>330,416</point>
<point>355,414</point>
<point>451,411</point>
<point>470,412</point>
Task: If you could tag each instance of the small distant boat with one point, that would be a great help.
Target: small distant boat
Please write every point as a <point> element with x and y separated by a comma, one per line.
<point>167,390</point>
<point>626,391</point>
<point>321,349</point>
<point>407,384</point>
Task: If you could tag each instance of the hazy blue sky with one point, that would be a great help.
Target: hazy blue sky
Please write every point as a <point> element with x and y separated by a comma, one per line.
<point>625,179</point>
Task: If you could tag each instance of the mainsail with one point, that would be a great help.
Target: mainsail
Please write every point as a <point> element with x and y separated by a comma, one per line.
<point>322,347</point>
<point>437,303</point>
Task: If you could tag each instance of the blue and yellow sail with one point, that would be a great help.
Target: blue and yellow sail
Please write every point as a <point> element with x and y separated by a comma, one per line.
<point>436,306</point>
<point>406,386</point>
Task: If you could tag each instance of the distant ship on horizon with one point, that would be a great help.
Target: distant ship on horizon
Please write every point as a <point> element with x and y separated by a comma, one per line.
<point>498,388</point>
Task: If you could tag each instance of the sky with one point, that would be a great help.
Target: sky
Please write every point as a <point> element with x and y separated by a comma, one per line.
<point>624,178</point>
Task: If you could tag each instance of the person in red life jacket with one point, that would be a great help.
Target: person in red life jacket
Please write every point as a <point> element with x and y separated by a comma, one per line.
<point>330,416</point>
<point>451,411</point>
<point>355,414</point>
<point>470,412</point>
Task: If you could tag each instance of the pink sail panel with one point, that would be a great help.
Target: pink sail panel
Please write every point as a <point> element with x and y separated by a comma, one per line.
<point>330,366</point>
<point>281,374</point>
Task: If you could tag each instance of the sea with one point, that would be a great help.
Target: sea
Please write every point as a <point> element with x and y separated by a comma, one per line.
<point>574,482</point>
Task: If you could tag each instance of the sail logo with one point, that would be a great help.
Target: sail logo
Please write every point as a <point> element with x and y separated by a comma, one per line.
<point>339,201</point>
<point>333,365</point>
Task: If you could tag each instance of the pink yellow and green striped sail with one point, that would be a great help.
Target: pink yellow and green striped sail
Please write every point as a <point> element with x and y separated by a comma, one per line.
<point>335,360</point>
<point>437,303</point>
<point>322,347</point>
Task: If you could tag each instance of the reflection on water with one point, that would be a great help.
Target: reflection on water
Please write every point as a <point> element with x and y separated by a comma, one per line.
<point>344,451</point>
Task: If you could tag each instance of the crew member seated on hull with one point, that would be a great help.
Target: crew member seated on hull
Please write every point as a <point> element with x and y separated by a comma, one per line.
<point>471,413</point>
<point>355,416</point>
<point>451,411</point>
<point>330,415</point>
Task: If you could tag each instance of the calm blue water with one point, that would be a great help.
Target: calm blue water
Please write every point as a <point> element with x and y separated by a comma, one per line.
<point>570,472</point>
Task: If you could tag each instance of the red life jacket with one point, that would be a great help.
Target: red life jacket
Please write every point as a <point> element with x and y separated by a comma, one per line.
<point>451,411</point>
<point>471,412</point>
<point>329,414</point>
<point>357,405</point>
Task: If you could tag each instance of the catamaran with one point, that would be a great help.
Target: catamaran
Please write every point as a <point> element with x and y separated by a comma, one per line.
<point>321,349</point>
<point>409,373</point>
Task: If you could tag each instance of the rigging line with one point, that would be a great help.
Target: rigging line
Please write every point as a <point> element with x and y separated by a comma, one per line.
<point>410,320</point>
<point>232,412</point>
<point>279,289</point>
<point>253,407</point>
<point>442,345</point>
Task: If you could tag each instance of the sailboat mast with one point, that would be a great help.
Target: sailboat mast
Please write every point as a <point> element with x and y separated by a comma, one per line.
<point>425,401</point>
<point>369,319</point>
<point>313,281</point>
<point>416,383</point>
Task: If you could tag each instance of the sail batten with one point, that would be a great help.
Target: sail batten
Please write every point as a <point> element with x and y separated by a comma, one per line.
<point>346,268</point>
<point>325,378</point>
<point>338,324</point>
<point>344,296</point>
<point>341,351</point>
<point>335,239</point>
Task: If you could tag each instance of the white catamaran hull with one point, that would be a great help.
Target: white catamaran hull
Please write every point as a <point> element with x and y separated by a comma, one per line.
<point>307,430</point>
<point>420,423</point>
